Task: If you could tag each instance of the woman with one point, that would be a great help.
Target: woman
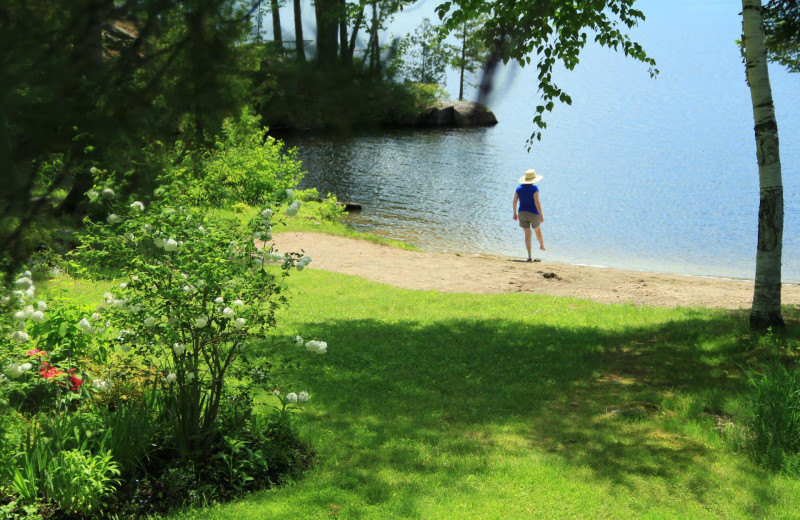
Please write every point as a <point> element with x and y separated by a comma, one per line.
<point>530,210</point>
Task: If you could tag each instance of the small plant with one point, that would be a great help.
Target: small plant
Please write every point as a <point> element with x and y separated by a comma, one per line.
<point>78,481</point>
<point>331,210</point>
<point>775,423</point>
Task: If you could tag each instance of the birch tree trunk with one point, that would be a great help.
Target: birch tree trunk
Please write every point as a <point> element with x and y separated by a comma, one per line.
<point>766,310</point>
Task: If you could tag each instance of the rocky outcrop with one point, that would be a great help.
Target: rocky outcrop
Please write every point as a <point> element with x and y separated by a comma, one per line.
<point>457,113</point>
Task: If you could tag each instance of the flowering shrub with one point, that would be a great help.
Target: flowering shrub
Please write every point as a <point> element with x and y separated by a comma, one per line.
<point>35,378</point>
<point>197,291</point>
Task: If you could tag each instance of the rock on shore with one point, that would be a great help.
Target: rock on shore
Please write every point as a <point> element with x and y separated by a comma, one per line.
<point>457,113</point>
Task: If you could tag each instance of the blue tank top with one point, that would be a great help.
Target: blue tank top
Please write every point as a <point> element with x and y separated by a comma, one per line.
<point>525,193</point>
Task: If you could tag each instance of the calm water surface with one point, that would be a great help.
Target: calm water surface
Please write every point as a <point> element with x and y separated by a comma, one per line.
<point>639,173</point>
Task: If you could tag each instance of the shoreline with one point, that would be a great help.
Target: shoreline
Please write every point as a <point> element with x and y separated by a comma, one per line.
<point>644,270</point>
<point>494,274</point>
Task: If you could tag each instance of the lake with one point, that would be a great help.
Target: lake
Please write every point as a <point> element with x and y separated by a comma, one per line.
<point>639,173</point>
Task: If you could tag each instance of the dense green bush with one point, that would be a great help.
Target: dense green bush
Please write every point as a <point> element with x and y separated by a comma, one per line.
<point>245,166</point>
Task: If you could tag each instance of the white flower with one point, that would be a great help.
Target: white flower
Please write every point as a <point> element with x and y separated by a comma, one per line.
<point>201,282</point>
<point>93,170</point>
<point>135,308</point>
<point>19,336</point>
<point>201,322</point>
<point>149,321</point>
<point>228,312</point>
<point>258,263</point>
<point>171,377</point>
<point>239,323</point>
<point>188,289</point>
<point>289,194</point>
<point>20,315</point>
<point>92,194</point>
<point>298,341</point>
<point>96,316</point>
<point>113,218</point>
<point>293,208</point>
<point>291,397</point>
<point>25,367</point>
<point>135,278</point>
<point>158,242</point>
<point>37,316</point>
<point>137,206</point>
<point>219,299</point>
<point>108,193</point>
<point>12,370</point>
<point>201,229</point>
<point>29,292</point>
<point>267,214</point>
<point>179,348</point>
<point>320,347</point>
<point>302,396</point>
<point>305,260</point>
<point>100,384</point>
<point>238,302</point>
<point>23,283</point>
<point>41,306</point>
<point>123,285</point>
<point>108,297</point>
<point>170,245</point>
<point>86,327</point>
<point>276,256</point>
<point>190,376</point>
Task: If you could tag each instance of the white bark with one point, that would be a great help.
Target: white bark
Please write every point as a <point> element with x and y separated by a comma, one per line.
<point>766,309</point>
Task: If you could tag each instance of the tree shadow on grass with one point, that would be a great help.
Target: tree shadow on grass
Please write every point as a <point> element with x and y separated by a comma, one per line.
<point>398,394</point>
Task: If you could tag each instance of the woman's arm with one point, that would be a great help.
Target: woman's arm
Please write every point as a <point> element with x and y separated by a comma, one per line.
<point>538,205</point>
<point>516,198</point>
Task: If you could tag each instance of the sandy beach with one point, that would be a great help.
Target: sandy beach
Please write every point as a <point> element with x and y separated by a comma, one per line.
<point>479,273</point>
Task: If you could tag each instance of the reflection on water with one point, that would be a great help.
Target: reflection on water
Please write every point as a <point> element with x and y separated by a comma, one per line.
<point>657,175</point>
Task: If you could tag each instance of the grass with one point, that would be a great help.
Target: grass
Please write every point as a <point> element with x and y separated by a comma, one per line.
<point>309,219</point>
<point>441,406</point>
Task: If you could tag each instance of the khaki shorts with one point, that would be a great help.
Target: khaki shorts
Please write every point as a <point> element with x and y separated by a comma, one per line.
<point>529,220</point>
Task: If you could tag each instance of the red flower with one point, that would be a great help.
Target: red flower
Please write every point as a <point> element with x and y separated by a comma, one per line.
<point>36,353</point>
<point>75,382</point>
<point>49,372</point>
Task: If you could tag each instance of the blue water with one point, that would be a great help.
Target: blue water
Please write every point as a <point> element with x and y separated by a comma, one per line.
<point>639,173</point>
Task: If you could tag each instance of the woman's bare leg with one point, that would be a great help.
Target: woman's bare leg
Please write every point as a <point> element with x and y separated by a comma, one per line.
<point>538,237</point>
<point>528,240</point>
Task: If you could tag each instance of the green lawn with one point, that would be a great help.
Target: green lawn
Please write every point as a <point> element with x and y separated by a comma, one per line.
<point>461,406</point>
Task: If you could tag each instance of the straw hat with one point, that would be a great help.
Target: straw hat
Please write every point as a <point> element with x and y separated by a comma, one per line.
<point>530,177</point>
